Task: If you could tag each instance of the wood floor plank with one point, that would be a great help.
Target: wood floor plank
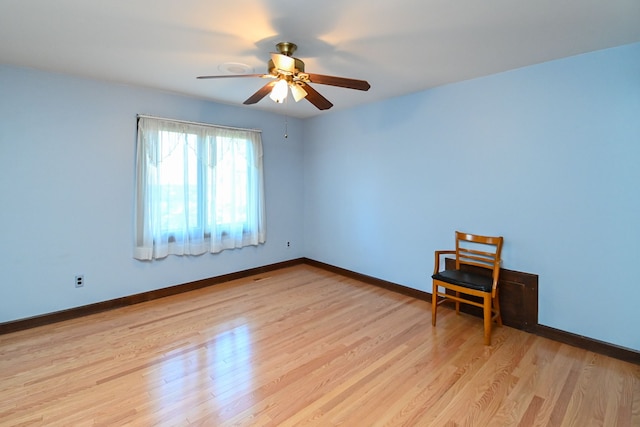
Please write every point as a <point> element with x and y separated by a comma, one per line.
<point>303,346</point>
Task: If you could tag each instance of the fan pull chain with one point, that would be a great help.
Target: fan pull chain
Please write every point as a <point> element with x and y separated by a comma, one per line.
<point>286,124</point>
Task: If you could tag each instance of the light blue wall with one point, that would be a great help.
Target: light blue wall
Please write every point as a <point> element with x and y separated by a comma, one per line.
<point>547,156</point>
<point>67,151</point>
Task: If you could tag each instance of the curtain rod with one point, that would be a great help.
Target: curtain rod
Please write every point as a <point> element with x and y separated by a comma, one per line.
<point>197,123</point>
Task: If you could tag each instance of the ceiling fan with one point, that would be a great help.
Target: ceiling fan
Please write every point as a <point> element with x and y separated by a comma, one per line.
<point>287,73</point>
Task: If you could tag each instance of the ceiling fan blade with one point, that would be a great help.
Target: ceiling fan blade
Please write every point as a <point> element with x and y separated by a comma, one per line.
<point>261,93</point>
<point>225,76</point>
<point>339,81</point>
<point>316,99</point>
<point>283,62</point>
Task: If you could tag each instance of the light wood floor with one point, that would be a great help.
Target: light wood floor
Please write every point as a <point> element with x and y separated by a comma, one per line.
<point>303,346</point>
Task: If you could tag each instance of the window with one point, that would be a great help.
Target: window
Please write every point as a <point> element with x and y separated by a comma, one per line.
<point>199,189</point>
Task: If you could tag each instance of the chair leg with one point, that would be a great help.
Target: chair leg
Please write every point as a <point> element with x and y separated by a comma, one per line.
<point>434,304</point>
<point>487,319</point>
<point>457,303</point>
<point>496,308</point>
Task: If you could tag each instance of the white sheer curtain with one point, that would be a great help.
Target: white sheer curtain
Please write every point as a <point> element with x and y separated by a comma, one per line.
<point>199,189</point>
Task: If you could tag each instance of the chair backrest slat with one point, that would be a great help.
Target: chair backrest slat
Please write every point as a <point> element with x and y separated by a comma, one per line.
<point>479,251</point>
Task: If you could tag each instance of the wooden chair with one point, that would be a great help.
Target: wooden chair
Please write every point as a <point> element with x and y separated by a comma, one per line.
<point>476,251</point>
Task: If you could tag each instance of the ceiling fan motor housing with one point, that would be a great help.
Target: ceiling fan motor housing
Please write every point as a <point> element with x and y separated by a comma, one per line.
<point>298,67</point>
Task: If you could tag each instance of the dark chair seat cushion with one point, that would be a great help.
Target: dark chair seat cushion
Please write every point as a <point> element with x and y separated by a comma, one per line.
<point>465,279</point>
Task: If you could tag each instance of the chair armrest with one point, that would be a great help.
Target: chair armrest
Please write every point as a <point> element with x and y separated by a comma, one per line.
<point>436,268</point>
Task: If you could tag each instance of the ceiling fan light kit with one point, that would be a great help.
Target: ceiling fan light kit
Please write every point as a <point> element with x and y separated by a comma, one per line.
<point>280,91</point>
<point>287,73</point>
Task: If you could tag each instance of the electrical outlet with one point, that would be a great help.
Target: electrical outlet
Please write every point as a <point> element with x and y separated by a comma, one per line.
<point>288,244</point>
<point>79,281</point>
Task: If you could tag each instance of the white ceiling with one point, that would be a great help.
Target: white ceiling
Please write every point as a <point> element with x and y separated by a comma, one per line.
<point>398,46</point>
